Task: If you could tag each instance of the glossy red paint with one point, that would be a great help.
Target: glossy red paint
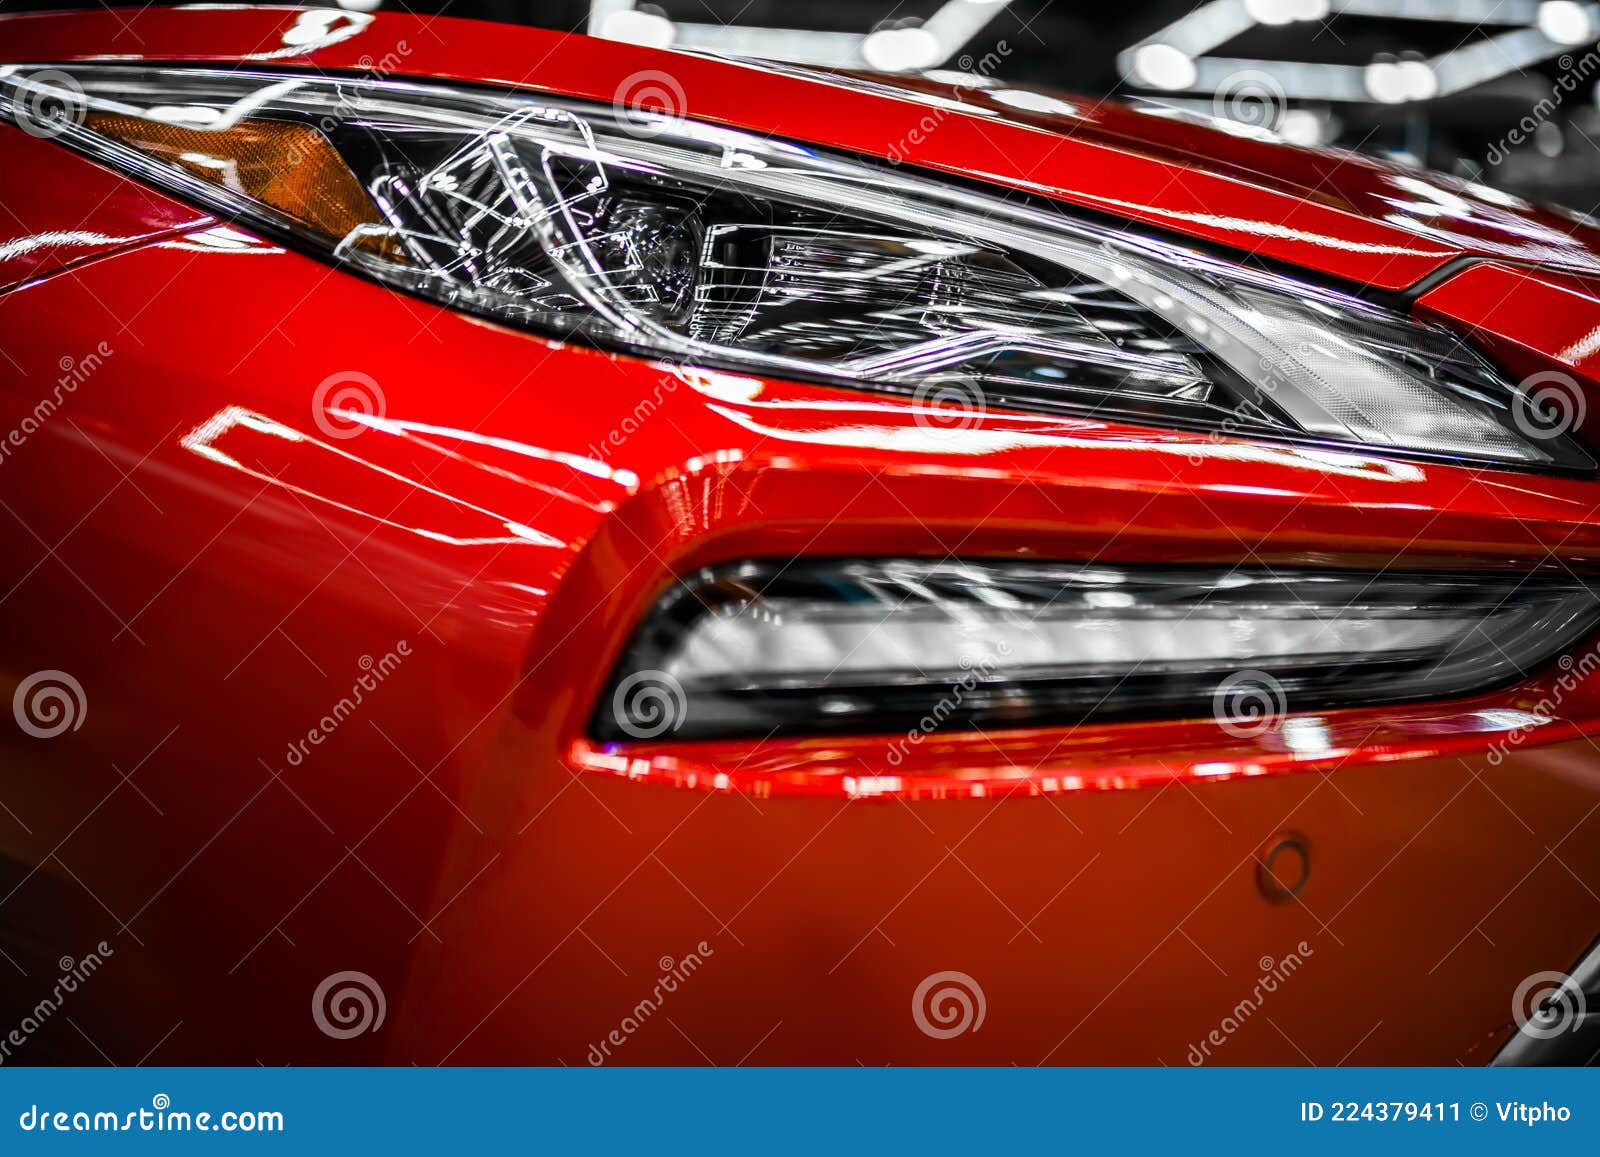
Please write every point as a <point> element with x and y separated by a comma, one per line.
<point>219,554</point>
<point>1545,317</point>
<point>46,218</point>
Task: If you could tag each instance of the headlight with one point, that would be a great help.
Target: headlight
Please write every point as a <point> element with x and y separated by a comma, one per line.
<point>689,242</point>
<point>811,647</point>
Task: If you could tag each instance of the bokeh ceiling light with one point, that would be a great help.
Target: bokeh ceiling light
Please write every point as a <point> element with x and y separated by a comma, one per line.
<point>901,49</point>
<point>635,27</point>
<point>1518,34</point>
<point>1163,66</point>
<point>1286,11</point>
<point>1400,81</point>
<point>1566,22</point>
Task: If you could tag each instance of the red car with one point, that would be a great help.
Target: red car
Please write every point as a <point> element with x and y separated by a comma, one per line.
<point>529,549</point>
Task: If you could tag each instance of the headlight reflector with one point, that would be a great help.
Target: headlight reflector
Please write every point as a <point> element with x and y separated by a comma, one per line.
<point>697,243</point>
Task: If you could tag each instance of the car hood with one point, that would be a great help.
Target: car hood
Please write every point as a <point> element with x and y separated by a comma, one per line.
<point>1331,212</point>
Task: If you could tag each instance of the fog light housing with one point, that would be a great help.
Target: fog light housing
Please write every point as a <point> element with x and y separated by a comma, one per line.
<point>814,647</point>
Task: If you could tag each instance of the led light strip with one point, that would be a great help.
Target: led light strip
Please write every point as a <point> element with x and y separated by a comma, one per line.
<point>885,645</point>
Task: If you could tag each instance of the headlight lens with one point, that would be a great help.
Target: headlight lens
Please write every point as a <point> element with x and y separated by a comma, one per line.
<point>695,243</point>
<point>809,647</point>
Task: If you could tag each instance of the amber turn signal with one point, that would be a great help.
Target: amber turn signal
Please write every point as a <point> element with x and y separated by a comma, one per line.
<point>289,167</point>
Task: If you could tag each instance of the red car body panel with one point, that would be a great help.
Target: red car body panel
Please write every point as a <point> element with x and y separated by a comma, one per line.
<point>217,571</point>
<point>76,212</point>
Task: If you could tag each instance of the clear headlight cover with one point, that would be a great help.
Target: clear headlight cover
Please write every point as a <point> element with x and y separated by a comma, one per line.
<point>695,243</point>
<point>884,645</point>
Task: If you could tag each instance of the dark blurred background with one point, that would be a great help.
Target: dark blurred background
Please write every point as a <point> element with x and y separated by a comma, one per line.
<point>1501,91</point>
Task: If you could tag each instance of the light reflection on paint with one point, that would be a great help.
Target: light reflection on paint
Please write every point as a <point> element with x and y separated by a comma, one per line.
<point>315,29</point>
<point>17,246</point>
<point>590,466</point>
<point>203,439</point>
<point>991,439</point>
<point>221,239</point>
<point>1256,228</point>
<point>1509,719</point>
<point>1581,350</point>
<point>1307,735</point>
